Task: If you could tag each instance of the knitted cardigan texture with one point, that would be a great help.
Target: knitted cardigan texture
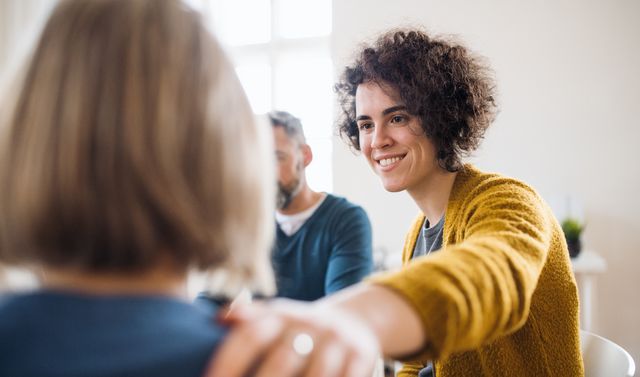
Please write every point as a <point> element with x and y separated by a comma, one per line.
<point>499,298</point>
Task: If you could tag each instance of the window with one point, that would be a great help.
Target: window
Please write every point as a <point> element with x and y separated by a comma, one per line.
<point>281,51</point>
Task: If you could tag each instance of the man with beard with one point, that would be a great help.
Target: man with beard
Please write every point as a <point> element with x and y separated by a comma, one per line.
<point>323,242</point>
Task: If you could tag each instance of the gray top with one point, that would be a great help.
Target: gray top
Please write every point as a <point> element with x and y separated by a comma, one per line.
<point>430,238</point>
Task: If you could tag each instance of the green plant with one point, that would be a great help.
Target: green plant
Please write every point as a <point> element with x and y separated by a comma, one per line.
<point>572,228</point>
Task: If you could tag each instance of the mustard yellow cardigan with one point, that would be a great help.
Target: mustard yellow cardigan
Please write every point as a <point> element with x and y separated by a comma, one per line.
<point>499,298</point>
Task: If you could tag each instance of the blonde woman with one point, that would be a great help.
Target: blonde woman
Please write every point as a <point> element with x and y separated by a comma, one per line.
<point>128,157</point>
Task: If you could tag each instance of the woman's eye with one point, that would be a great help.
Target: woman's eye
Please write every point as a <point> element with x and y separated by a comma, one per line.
<point>397,119</point>
<point>365,126</point>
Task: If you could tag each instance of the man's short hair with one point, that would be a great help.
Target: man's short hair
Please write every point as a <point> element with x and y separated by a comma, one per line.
<point>291,125</point>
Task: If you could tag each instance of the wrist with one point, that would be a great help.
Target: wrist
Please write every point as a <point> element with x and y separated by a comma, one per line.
<point>391,319</point>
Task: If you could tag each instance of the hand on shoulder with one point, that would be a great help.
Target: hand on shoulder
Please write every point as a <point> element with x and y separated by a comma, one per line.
<point>288,338</point>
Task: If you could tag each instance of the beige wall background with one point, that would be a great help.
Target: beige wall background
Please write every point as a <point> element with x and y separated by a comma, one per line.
<point>568,74</point>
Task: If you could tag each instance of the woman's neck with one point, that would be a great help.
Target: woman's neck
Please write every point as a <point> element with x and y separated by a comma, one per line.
<point>162,280</point>
<point>433,195</point>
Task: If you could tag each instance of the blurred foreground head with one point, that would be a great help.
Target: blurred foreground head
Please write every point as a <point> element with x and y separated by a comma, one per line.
<point>129,140</point>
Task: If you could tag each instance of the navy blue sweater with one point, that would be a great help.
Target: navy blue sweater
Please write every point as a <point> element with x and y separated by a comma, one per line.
<point>330,251</point>
<point>58,334</point>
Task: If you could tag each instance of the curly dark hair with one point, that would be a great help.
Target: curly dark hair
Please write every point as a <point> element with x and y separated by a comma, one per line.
<point>451,90</point>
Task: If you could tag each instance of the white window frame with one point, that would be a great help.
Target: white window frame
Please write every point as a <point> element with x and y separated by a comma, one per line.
<point>319,173</point>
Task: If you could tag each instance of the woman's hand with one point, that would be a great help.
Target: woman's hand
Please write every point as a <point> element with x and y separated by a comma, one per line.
<point>285,338</point>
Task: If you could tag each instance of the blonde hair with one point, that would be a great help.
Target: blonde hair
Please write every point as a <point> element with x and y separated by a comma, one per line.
<point>130,139</point>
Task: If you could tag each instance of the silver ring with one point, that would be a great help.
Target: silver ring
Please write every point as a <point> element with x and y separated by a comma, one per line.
<point>302,344</point>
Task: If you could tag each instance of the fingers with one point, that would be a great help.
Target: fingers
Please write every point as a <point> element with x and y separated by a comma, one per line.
<point>288,339</point>
<point>282,360</point>
<point>252,335</point>
<point>328,361</point>
<point>336,357</point>
<point>359,364</point>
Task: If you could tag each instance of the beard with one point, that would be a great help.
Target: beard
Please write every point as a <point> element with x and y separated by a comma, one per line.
<point>286,193</point>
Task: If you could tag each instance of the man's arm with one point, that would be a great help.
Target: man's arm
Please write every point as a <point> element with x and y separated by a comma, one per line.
<point>351,258</point>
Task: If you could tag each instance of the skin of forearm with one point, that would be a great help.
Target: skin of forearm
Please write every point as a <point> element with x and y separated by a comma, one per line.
<point>391,318</point>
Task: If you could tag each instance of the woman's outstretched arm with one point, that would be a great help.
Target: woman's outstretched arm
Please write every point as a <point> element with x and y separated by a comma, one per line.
<point>349,330</point>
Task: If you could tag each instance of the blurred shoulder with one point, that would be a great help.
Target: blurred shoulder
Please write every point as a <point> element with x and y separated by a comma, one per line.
<point>341,207</point>
<point>475,184</point>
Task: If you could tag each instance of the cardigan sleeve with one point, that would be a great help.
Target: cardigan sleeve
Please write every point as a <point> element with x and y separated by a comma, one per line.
<point>410,369</point>
<point>479,286</point>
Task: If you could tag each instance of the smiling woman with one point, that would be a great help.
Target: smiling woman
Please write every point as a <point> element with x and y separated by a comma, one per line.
<point>392,140</point>
<point>487,288</point>
<point>449,88</point>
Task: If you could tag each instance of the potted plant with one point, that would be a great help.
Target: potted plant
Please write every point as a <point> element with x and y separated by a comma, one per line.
<point>572,229</point>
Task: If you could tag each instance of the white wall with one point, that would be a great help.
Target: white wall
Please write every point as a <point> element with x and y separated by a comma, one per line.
<point>569,80</point>
<point>20,22</point>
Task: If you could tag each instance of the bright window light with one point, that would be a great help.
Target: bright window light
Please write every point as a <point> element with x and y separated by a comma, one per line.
<point>255,78</point>
<point>302,19</point>
<point>319,171</point>
<point>242,22</point>
<point>280,49</point>
<point>304,89</point>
